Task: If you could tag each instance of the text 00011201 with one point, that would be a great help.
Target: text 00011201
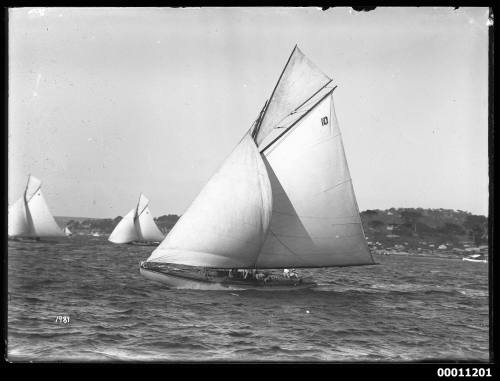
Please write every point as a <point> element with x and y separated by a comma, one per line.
<point>464,372</point>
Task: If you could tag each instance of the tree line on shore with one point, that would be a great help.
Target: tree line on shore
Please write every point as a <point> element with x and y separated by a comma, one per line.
<point>413,225</point>
<point>418,227</point>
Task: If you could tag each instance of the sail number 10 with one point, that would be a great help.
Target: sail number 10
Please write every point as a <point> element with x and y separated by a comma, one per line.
<point>464,372</point>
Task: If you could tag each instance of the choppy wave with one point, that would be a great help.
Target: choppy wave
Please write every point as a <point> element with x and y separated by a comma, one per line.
<point>408,308</point>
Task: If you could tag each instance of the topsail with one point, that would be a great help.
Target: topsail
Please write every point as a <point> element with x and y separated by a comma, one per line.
<point>30,216</point>
<point>137,225</point>
<point>284,196</point>
<point>299,82</point>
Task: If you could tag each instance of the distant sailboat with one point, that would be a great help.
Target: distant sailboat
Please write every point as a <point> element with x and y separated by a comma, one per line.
<point>137,226</point>
<point>283,198</point>
<point>30,217</point>
<point>478,258</point>
<point>67,232</point>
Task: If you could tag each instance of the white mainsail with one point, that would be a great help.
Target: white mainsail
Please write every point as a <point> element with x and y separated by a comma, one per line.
<point>137,225</point>
<point>146,227</point>
<point>30,216</point>
<point>67,232</point>
<point>226,224</point>
<point>315,220</point>
<point>289,202</point>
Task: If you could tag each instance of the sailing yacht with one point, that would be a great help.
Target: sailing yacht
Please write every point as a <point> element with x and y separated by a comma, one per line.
<point>138,226</point>
<point>282,199</point>
<point>67,232</point>
<point>29,217</point>
<point>478,258</point>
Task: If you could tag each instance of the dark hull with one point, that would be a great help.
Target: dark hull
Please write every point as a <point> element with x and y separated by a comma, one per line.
<point>137,243</point>
<point>34,240</point>
<point>24,239</point>
<point>193,280</point>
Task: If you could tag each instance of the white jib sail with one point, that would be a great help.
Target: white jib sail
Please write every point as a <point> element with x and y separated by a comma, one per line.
<point>67,231</point>
<point>315,220</point>
<point>44,224</point>
<point>145,224</point>
<point>226,224</point>
<point>30,216</point>
<point>125,231</point>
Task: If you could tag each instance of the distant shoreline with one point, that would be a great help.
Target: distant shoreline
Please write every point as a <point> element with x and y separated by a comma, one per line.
<point>444,233</point>
<point>446,255</point>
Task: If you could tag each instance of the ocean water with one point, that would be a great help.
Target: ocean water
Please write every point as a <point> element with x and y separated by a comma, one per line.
<point>406,308</point>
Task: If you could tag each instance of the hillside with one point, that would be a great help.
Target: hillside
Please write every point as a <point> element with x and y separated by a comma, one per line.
<point>424,230</point>
<point>84,226</point>
<point>412,230</point>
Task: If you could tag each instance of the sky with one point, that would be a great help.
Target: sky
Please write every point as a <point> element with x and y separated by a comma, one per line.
<point>105,103</point>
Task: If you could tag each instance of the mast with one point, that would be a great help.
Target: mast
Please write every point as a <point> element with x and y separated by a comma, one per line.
<point>146,228</point>
<point>29,219</point>
<point>136,213</point>
<point>264,110</point>
<point>26,188</point>
<point>259,121</point>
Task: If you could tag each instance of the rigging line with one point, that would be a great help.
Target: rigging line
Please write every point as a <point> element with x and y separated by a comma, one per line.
<point>334,186</point>
<point>26,190</point>
<point>136,213</point>
<point>258,121</point>
<point>298,120</point>
<point>143,209</point>
<point>261,185</point>
<point>311,101</point>
<point>33,193</point>
<point>296,111</point>
<point>312,96</point>
<point>282,72</point>
<point>29,219</point>
<point>264,110</point>
<point>321,237</point>
<point>285,246</point>
<point>321,218</point>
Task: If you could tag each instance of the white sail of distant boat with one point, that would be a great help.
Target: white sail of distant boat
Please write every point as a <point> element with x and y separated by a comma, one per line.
<point>30,217</point>
<point>67,232</point>
<point>284,196</point>
<point>137,225</point>
<point>481,258</point>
